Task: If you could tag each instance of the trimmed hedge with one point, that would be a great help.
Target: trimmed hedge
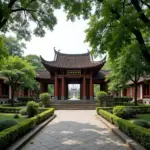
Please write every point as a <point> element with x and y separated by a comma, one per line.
<point>10,135</point>
<point>10,109</point>
<point>15,109</point>
<point>25,99</point>
<point>138,133</point>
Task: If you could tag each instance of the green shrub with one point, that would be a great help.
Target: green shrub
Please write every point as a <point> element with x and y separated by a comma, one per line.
<point>124,112</point>
<point>10,135</point>
<point>16,116</point>
<point>4,124</point>
<point>142,123</point>
<point>24,99</point>
<point>23,111</point>
<point>32,108</point>
<point>99,97</point>
<point>45,99</point>
<point>140,134</point>
<point>9,109</point>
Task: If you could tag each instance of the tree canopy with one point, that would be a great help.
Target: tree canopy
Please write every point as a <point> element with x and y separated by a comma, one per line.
<point>17,72</point>
<point>35,61</point>
<point>17,16</point>
<point>129,66</point>
<point>114,24</point>
<point>14,46</point>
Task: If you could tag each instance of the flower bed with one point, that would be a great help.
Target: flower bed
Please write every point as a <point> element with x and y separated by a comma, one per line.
<point>138,133</point>
<point>10,135</point>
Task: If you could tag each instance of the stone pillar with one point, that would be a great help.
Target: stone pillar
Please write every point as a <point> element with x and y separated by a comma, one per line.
<point>56,87</point>
<point>91,86</point>
<point>63,87</point>
<point>84,87</point>
<point>141,91</point>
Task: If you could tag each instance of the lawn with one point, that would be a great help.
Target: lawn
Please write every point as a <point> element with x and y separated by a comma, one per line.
<point>8,116</point>
<point>143,117</point>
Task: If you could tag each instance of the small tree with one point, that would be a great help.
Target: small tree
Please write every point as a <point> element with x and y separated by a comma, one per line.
<point>99,96</point>
<point>45,99</point>
<point>32,108</point>
<point>18,72</point>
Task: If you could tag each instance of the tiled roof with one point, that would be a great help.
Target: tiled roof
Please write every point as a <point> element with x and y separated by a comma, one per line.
<point>101,74</point>
<point>72,61</point>
<point>43,74</point>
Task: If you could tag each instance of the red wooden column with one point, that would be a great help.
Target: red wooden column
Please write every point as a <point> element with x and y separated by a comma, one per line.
<point>56,87</point>
<point>63,87</point>
<point>84,87</point>
<point>1,86</point>
<point>41,88</point>
<point>91,86</point>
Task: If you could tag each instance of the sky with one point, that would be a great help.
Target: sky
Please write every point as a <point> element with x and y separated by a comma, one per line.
<point>67,36</point>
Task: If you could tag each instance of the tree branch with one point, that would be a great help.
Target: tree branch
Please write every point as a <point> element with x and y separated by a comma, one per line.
<point>140,11</point>
<point>145,4</point>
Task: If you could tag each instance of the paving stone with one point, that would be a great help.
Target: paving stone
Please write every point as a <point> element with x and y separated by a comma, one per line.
<point>75,130</point>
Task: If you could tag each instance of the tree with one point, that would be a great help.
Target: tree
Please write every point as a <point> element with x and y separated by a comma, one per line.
<point>114,24</point>
<point>17,16</point>
<point>18,72</point>
<point>35,61</point>
<point>129,66</point>
<point>14,46</point>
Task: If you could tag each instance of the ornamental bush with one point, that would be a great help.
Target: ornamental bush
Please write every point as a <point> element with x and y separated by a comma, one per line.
<point>32,108</point>
<point>4,124</point>
<point>124,112</point>
<point>142,123</point>
<point>23,111</point>
<point>99,97</point>
<point>45,99</point>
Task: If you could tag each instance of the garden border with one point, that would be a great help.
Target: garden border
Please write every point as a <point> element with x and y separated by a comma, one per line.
<point>20,143</point>
<point>126,139</point>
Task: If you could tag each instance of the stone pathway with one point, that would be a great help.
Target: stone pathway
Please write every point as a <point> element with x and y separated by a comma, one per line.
<point>75,130</point>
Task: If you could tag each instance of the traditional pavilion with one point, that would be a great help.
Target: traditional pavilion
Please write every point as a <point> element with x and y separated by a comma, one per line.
<point>72,69</point>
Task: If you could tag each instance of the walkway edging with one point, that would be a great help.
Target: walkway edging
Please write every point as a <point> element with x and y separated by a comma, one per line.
<point>20,143</point>
<point>126,139</point>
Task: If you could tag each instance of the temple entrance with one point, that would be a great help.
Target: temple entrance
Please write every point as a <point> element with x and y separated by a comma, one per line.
<point>74,91</point>
<point>72,69</point>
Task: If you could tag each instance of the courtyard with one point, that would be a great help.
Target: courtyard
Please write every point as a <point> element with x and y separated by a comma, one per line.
<point>75,130</point>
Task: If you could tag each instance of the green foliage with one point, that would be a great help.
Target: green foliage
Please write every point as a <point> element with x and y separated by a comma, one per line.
<point>10,109</point>
<point>24,99</point>
<point>4,124</point>
<point>124,112</point>
<point>23,111</point>
<point>99,96</point>
<point>16,116</point>
<point>142,123</point>
<point>10,135</point>
<point>14,46</point>
<point>16,70</point>
<point>35,61</point>
<point>32,108</point>
<point>17,16</point>
<point>45,99</point>
<point>138,133</point>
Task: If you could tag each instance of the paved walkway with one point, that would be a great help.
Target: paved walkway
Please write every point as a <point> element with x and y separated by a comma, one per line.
<point>75,130</point>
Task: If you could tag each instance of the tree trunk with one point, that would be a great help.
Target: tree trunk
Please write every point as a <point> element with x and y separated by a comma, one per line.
<point>12,96</point>
<point>135,93</point>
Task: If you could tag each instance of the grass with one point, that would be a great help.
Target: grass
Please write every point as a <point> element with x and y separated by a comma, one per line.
<point>8,116</point>
<point>142,117</point>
